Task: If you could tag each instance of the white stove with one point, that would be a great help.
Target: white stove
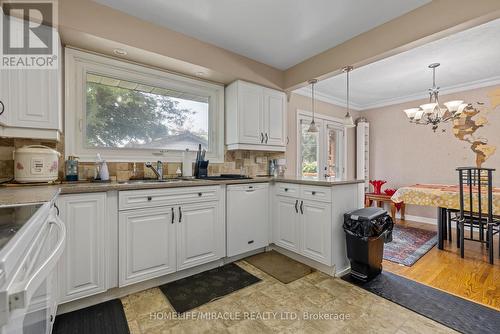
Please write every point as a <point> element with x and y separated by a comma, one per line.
<point>32,238</point>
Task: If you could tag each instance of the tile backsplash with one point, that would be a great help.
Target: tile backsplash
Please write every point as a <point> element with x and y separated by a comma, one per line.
<point>235,162</point>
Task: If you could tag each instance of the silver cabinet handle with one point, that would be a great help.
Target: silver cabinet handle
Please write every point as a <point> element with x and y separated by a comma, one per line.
<point>2,107</point>
<point>296,203</point>
<point>261,137</point>
<point>267,137</point>
<point>173,214</point>
<point>302,207</point>
<point>180,214</point>
<point>287,140</point>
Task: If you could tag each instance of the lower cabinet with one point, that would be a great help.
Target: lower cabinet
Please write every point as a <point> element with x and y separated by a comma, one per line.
<point>287,223</point>
<point>161,240</point>
<point>304,227</point>
<point>146,244</point>
<point>83,266</point>
<point>200,234</point>
<point>316,231</point>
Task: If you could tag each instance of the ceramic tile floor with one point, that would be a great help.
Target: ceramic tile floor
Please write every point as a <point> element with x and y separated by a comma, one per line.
<point>273,307</point>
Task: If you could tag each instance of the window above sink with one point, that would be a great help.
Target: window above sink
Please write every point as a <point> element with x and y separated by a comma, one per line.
<point>128,112</point>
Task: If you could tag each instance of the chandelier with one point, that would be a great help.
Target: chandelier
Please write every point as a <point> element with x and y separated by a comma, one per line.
<point>433,113</point>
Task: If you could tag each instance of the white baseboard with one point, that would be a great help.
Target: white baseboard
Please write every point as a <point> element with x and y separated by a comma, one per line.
<point>119,292</point>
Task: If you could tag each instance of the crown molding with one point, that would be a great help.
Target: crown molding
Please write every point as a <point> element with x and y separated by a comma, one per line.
<point>306,91</point>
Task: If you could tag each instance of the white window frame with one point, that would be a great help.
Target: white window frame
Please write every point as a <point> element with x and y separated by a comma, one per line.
<point>331,122</point>
<point>78,63</point>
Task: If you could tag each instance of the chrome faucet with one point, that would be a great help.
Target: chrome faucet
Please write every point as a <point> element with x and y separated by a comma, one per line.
<point>158,170</point>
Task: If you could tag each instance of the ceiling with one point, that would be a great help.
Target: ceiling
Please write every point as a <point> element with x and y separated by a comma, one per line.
<point>469,59</point>
<point>280,33</point>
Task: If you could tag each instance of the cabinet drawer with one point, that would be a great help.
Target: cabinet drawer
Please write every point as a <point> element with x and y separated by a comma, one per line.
<point>134,199</point>
<point>287,189</point>
<point>316,193</point>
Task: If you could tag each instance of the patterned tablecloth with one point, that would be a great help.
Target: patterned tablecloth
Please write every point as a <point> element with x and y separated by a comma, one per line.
<point>443,196</point>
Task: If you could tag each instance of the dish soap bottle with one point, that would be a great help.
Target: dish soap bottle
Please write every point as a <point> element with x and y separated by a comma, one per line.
<point>72,168</point>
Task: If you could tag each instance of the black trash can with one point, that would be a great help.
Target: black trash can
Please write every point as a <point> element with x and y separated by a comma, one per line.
<point>366,232</point>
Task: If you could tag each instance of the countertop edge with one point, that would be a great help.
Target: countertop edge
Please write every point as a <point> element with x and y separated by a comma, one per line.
<point>21,195</point>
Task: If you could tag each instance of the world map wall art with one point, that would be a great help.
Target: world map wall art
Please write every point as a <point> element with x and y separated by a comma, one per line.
<point>465,127</point>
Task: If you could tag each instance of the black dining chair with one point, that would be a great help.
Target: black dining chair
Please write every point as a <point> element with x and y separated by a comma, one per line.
<point>476,208</point>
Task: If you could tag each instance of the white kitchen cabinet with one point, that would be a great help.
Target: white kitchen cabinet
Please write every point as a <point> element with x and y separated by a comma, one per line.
<point>83,265</point>
<point>315,234</point>
<point>162,231</point>
<point>250,104</point>
<point>302,220</point>
<point>247,217</point>
<point>286,223</point>
<point>274,117</point>
<point>32,102</point>
<point>200,231</point>
<point>146,244</point>
<point>255,117</point>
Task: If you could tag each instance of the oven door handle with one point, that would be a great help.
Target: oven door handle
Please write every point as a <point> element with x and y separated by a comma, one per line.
<point>23,291</point>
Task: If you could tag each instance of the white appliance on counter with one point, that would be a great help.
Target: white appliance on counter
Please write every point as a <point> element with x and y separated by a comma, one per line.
<point>36,163</point>
<point>32,239</point>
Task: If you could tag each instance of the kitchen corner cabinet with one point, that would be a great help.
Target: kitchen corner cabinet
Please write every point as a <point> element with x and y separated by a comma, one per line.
<point>32,102</point>
<point>255,117</point>
<point>83,265</point>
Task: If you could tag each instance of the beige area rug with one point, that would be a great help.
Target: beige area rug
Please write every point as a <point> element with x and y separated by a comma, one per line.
<point>279,266</point>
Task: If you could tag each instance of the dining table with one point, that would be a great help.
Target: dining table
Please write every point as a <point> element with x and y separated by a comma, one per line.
<point>441,196</point>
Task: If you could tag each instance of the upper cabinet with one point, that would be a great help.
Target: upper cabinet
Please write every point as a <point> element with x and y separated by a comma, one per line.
<point>31,101</point>
<point>255,117</point>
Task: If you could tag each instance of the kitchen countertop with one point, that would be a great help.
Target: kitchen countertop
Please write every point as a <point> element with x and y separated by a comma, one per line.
<point>27,195</point>
<point>19,194</point>
<point>327,182</point>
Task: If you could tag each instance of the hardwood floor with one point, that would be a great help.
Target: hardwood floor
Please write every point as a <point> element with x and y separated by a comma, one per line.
<point>471,278</point>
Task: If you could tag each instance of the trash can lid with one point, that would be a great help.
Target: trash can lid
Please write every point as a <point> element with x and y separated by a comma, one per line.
<point>367,213</point>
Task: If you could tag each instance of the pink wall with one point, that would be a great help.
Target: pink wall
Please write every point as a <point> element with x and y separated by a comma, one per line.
<point>405,154</point>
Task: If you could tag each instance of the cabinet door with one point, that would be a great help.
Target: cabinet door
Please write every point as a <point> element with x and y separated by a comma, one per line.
<point>200,234</point>
<point>32,96</point>
<point>250,110</point>
<point>146,244</point>
<point>274,117</point>
<point>247,218</point>
<point>316,235</point>
<point>37,99</point>
<point>286,223</point>
<point>82,269</point>
<point>5,96</point>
